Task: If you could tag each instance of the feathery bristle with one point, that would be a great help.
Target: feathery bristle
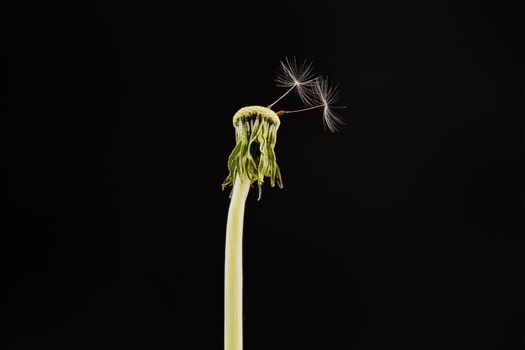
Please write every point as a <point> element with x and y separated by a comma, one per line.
<point>327,96</point>
<point>298,74</point>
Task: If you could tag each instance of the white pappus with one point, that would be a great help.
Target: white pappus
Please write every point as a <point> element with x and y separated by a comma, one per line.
<point>314,91</point>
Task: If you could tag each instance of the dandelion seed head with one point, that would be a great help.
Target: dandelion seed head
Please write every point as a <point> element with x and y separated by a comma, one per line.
<point>251,112</point>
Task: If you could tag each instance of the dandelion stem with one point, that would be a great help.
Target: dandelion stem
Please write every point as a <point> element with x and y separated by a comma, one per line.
<point>233,266</point>
<point>281,112</point>
<point>280,98</point>
<point>303,110</point>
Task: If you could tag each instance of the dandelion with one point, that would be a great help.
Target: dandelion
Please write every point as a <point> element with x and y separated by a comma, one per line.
<point>252,161</point>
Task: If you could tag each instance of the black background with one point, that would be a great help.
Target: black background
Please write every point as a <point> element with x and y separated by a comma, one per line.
<point>404,230</point>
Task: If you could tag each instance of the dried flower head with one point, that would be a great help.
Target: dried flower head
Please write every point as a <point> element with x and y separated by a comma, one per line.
<point>253,157</point>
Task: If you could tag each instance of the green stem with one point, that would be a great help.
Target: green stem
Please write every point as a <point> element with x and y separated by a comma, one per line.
<point>233,266</point>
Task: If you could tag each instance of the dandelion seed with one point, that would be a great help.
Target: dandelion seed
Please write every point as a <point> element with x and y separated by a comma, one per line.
<point>314,91</point>
<point>296,75</point>
<point>327,96</point>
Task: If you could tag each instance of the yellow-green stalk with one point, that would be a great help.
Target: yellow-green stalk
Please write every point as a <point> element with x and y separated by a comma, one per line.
<point>233,266</point>
<point>251,161</point>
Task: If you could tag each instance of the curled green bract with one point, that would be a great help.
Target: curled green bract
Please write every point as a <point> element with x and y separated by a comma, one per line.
<point>254,156</point>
